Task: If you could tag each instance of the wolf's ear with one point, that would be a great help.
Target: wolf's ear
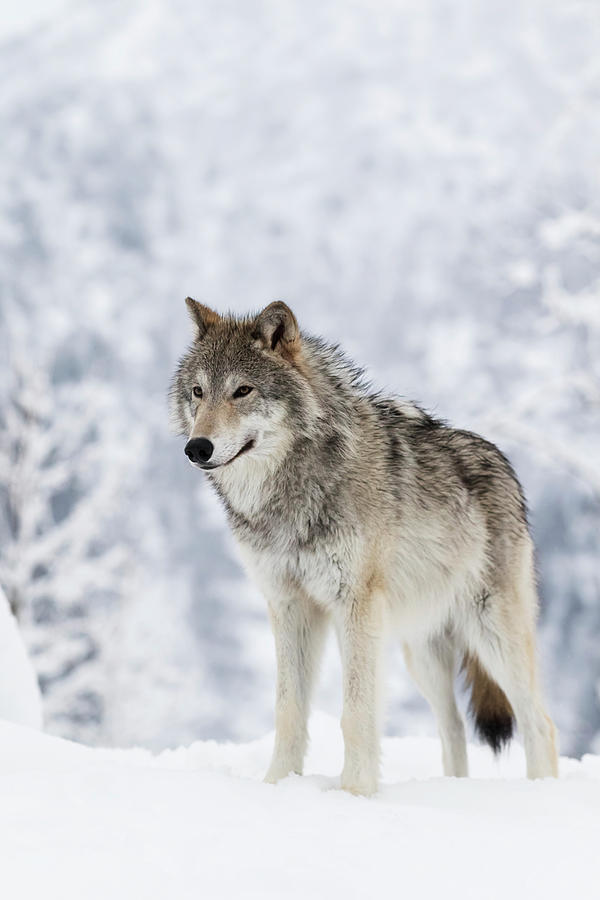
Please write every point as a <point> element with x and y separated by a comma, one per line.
<point>201,316</point>
<point>276,328</point>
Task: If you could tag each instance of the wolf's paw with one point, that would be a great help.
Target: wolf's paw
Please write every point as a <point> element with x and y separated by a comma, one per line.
<point>278,770</point>
<point>363,785</point>
<point>273,777</point>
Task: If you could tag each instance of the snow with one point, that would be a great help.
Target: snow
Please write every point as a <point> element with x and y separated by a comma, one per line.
<point>199,822</point>
<point>20,699</point>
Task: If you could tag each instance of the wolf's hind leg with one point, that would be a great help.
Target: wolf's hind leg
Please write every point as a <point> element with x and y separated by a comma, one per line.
<point>299,628</point>
<point>432,665</point>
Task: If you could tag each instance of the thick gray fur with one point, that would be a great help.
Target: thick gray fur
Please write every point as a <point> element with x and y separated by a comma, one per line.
<point>365,512</point>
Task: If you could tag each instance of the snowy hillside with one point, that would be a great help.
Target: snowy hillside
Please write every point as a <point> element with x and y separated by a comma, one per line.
<point>419,180</point>
<point>198,822</point>
<point>20,699</point>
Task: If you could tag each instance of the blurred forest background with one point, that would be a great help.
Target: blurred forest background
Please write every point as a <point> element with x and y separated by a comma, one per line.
<point>418,179</point>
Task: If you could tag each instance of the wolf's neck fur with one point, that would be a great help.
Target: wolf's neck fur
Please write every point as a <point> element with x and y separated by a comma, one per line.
<point>316,448</point>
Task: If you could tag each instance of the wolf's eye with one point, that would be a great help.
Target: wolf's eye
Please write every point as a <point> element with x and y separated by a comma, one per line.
<point>243,390</point>
<point>197,390</point>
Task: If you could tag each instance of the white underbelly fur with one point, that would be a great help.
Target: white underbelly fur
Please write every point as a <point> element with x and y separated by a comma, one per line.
<point>423,590</point>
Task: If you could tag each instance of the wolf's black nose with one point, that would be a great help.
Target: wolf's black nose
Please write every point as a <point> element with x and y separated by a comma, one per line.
<point>199,450</point>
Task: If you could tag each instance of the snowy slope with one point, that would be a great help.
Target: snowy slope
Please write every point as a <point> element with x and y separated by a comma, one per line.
<point>198,822</point>
<point>20,699</point>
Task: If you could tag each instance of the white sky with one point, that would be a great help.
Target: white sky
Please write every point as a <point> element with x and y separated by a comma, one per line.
<point>18,15</point>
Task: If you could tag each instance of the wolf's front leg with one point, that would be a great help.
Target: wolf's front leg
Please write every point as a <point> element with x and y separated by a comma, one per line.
<point>299,631</point>
<point>361,635</point>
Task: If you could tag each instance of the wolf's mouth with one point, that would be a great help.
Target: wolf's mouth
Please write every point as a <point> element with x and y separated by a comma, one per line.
<point>247,446</point>
<point>208,466</point>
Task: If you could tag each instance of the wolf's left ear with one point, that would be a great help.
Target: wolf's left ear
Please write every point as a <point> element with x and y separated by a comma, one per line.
<point>276,328</point>
<point>201,316</point>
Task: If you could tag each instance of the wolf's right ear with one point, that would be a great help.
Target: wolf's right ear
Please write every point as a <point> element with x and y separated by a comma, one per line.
<point>201,316</point>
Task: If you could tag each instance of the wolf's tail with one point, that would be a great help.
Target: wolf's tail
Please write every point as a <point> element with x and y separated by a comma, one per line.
<point>492,713</point>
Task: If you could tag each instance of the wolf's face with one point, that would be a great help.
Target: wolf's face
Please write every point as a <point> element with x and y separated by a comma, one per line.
<point>235,389</point>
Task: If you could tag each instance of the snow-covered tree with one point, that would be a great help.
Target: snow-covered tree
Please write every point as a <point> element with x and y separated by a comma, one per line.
<point>61,480</point>
<point>420,185</point>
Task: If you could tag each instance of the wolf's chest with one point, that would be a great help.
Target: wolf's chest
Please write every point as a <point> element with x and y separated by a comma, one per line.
<point>317,572</point>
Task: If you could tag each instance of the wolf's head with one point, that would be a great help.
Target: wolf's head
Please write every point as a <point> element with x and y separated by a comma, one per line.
<point>239,391</point>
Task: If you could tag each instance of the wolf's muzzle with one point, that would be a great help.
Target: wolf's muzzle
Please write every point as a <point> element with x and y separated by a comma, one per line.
<point>199,450</point>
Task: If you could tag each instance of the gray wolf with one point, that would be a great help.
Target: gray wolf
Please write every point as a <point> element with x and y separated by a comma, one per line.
<point>365,513</point>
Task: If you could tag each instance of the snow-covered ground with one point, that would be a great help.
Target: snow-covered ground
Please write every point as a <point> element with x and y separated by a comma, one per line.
<point>78,823</point>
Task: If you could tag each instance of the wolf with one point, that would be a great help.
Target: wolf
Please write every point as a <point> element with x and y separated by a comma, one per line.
<point>364,513</point>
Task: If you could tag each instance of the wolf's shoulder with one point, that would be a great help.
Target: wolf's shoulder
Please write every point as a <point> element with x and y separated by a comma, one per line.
<point>397,412</point>
<point>429,436</point>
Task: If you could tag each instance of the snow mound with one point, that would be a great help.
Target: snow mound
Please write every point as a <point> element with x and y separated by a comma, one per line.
<point>198,822</point>
<point>20,699</point>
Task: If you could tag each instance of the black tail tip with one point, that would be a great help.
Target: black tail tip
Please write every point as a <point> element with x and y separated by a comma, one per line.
<point>495,730</point>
